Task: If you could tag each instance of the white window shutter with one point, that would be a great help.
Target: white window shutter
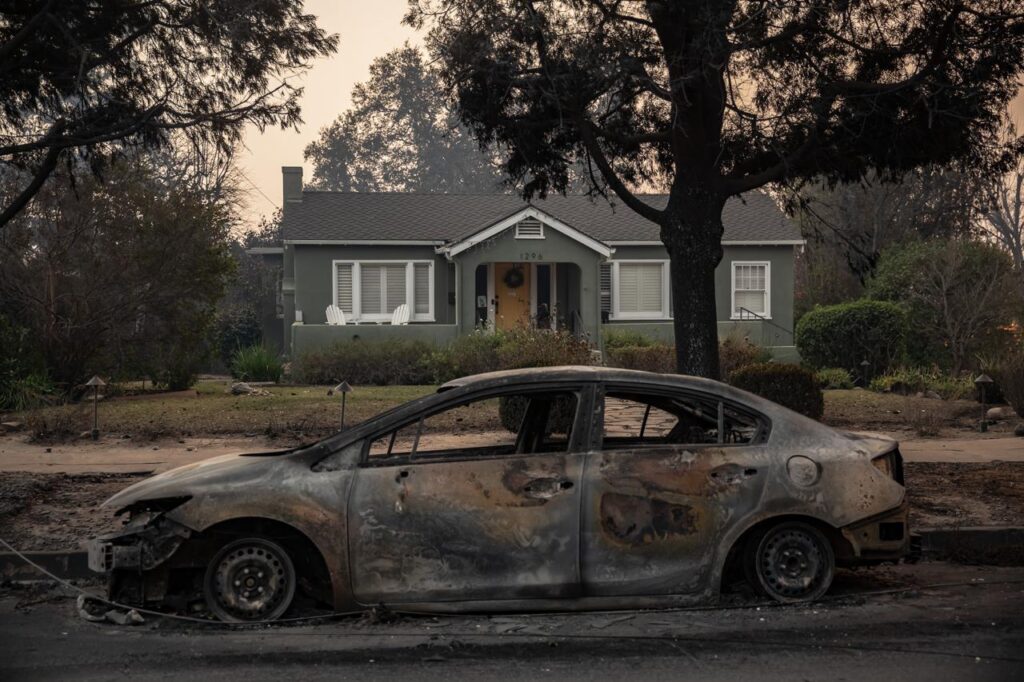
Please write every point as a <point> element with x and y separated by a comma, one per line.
<point>371,291</point>
<point>606,287</point>
<point>394,285</point>
<point>343,275</point>
<point>421,289</point>
<point>640,289</point>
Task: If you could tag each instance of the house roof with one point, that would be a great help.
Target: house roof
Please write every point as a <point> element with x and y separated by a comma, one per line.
<point>440,218</point>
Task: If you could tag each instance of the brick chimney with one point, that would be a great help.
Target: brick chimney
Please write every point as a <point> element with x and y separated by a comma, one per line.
<point>292,183</point>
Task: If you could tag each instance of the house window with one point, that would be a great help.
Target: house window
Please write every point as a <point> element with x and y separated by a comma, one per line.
<point>606,288</point>
<point>529,228</point>
<point>640,290</point>
<point>751,290</point>
<point>371,290</point>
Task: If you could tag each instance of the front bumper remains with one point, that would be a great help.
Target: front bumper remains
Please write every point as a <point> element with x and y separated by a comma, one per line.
<point>143,544</point>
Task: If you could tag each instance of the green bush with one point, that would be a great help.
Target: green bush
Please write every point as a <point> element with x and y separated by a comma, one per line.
<point>528,347</point>
<point>26,393</point>
<point>470,354</point>
<point>381,363</point>
<point>734,353</point>
<point>614,338</point>
<point>846,334</point>
<point>788,385</point>
<point>236,327</point>
<point>256,363</point>
<point>911,380</point>
<point>833,378</point>
<point>659,358</point>
<point>23,382</point>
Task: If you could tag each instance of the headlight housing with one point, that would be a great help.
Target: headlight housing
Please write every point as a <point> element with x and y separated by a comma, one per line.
<point>890,464</point>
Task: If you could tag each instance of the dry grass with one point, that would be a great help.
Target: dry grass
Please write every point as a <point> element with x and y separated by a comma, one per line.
<point>870,411</point>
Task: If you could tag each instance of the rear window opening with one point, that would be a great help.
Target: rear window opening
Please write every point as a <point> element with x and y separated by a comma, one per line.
<point>634,419</point>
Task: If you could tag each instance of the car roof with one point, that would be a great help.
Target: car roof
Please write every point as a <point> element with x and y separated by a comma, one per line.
<point>578,373</point>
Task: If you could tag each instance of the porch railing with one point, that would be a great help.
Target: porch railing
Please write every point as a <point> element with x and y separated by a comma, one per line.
<point>771,332</point>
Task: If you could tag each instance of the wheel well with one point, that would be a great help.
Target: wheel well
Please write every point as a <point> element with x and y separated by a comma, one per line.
<point>733,569</point>
<point>311,568</point>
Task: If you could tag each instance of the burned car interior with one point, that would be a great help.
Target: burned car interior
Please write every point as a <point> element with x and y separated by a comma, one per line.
<point>638,419</point>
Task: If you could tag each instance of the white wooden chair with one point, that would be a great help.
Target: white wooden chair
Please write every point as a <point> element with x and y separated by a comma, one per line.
<point>335,316</point>
<point>401,315</point>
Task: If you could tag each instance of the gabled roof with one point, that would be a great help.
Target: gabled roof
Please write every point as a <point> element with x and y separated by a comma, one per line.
<point>444,218</point>
<point>469,241</point>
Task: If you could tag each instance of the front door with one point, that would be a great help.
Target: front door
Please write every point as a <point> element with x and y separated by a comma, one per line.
<point>511,295</point>
<point>479,501</point>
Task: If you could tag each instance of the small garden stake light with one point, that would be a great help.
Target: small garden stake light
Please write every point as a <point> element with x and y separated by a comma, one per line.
<point>344,389</point>
<point>95,382</point>
<point>983,382</point>
<point>864,364</point>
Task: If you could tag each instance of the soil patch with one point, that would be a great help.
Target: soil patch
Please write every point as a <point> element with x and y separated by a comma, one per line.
<point>57,511</point>
<point>947,494</point>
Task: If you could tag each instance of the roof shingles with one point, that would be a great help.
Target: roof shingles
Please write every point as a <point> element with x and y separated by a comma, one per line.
<point>352,216</point>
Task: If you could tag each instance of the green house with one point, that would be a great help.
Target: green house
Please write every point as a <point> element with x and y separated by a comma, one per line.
<point>461,262</point>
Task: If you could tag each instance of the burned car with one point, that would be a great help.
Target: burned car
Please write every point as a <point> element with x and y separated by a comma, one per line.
<point>553,488</point>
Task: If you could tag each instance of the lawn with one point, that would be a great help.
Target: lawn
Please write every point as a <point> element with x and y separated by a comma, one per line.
<point>306,412</point>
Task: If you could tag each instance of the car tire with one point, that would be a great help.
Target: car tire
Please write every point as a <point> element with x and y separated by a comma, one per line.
<point>790,562</point>
<point>249,579</point>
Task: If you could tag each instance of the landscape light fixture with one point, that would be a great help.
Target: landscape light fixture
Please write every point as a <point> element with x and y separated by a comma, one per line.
<point>344,389</point>
<point>95,382</point>
<point>983,382</point>
<point>864,364</point>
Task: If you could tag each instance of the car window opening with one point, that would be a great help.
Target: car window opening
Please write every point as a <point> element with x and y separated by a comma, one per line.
<point>637,420</point>
<point>513,424</point>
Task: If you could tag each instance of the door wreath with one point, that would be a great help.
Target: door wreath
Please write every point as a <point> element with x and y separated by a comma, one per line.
<point>514,278</point>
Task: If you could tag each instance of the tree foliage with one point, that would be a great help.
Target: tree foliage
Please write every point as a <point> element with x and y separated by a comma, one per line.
<point>401,135</point>
<point>718,97</point>
<point>961,295</point>
<point>118,278</point>
<point>82,81</point>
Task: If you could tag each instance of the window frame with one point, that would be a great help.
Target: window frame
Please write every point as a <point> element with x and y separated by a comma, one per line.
<point>666,290</point>
<point>767,314</point>
<point>577,440</point>
<point>410,288</point>
<point>760,439</point>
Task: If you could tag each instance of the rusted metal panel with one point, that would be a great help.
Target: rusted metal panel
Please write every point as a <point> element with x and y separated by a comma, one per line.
<point>653,518</point>
<point>499,528</point>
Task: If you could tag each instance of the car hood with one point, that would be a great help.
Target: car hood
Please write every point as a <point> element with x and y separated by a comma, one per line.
<point>198,477</point>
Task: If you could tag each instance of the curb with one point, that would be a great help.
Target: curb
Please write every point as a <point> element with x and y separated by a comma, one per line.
<point>982,541</point>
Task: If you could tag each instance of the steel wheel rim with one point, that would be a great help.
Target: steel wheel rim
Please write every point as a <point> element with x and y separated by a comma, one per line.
<point>791,563</point>
<point>251,580</point>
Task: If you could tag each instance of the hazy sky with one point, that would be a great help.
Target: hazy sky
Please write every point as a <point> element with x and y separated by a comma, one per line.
<point>367,29</point>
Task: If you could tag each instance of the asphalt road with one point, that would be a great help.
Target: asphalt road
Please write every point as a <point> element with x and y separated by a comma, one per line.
<point>973,630</point>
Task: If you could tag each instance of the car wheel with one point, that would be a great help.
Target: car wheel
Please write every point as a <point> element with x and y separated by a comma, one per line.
<point>249,579</point>
<point>790,562</point>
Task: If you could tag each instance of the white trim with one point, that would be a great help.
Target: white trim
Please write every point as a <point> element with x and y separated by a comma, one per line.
<point>365,242</point>
<point>520,235</point>
<point>410,295</point>
<point>666,286</point>
<point>767,315</point>
<point>725,242</point>
<point>529,212</point>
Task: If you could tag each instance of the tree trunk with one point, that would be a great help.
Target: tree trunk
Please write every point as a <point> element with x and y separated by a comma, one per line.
<point>692,234</point>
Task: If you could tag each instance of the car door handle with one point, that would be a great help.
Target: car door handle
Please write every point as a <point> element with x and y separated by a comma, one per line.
<point>543,488</point>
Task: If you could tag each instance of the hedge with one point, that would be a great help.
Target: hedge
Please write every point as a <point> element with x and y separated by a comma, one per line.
<point>788,385</point>
<point>846,334</point>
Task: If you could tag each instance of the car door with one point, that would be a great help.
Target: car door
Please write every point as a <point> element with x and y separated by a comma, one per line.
<point>479,501</point>
<point>657,495</point>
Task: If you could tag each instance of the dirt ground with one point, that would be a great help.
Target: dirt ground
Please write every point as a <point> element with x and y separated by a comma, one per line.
<point>60,511</point>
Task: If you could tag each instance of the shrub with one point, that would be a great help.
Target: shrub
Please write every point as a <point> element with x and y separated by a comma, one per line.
<point>1010,376</point>
<point>833,378</point>
<point>844,335</point>
<point>236,327</point>
<point>659,358</point>
<point>381,363</point>
<point>735,352</point>
<point>910,380</point>
<point>614,338</point>
<point>788,385</point>
<point>256,363</point>
<point>26,393</point>
<point>528,347</point>
<point>470,354</point>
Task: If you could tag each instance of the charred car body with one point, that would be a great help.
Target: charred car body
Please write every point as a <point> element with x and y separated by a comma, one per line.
<point>571,487</point>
